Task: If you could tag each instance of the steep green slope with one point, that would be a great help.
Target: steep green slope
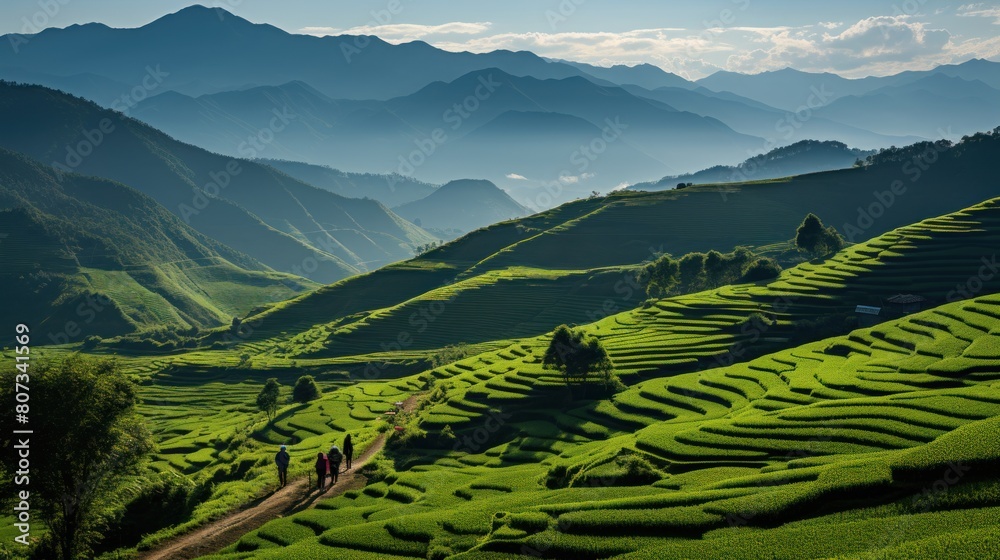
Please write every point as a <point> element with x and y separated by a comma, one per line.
<point>860,203</point>
<point>405,281</point>
<point>735,323</point>
<point>111,260</point>
<point>586,247</point>
<point>727,423</point>
<point>880,443</point>
<point>282,222</point>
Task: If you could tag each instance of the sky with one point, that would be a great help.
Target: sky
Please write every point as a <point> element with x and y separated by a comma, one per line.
<point>853,38</point>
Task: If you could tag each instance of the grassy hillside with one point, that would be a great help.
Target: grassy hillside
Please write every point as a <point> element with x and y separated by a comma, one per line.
<point>734,434</point>
<point>282,222</point>
<point>580,254</point>
<point>112,260</point>
<point>878,443</point>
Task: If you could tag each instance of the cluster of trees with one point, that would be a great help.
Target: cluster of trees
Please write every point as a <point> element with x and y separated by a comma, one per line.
<point>923,153</point>
<point>161,339</point>
<point>449,354</point>
<point>579,357</point>
<point>694,272</point>
<point>305,390</point>
<point>816,239</point>
<point>421,249</point>
<point>913,152</point>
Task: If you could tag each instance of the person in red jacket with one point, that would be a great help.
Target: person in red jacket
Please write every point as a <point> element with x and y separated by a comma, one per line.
<point>321,466</point>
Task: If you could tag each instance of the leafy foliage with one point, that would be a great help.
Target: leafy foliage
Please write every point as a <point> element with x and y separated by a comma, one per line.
<point>305,389</point>
<point>267,399</point>
<point>814,238</point>
<point>578,356</point>
<point>88,441</point>
<point>694,272</point>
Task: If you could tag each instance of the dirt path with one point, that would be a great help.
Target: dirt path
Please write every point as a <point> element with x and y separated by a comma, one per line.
<point>298,495</point>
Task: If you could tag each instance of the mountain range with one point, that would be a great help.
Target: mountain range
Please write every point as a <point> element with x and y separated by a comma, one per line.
<point>284,223</point>
<point>86,256</point>
<point>569,126</point>
<point>391,190</point>
<point>420,112</point>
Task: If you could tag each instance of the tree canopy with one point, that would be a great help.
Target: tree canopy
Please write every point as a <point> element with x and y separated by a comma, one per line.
<point>577,356</point>
<point>694,272</point>
<point>305,389</point>
<point>87,442</point>
<point>814,238</point>
<point>267,399</point>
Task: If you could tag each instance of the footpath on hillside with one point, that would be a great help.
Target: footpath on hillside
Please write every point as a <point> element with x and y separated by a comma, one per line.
<point>298,495</point>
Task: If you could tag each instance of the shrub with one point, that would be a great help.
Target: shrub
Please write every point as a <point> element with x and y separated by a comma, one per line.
<point>637,470</point>
<point>438,552</point>
<point>764,268</point>
<point>378,469</point>
<point>305,389</point>
<point>91,342</point>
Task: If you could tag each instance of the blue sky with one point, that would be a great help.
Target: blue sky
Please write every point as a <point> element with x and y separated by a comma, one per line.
<point>853,38</point>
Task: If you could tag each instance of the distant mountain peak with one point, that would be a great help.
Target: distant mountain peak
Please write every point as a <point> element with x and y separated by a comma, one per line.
<point>469,184</point>
<point>197,17</point>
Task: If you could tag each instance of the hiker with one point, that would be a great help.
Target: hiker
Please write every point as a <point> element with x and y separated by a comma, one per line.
<point>348,451</point>
<point>321,466</point>
<point>282,459</point>
<point>334,457</point>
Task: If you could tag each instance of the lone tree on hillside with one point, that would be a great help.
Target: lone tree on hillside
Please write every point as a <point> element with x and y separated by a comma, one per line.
<point>89,442</point>
<point>305,389</point>
<point>578,356</point>
<point>815,239</point>
<point>267,399</point>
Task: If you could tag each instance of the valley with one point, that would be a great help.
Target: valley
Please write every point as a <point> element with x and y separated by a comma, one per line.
<point>560,307</point>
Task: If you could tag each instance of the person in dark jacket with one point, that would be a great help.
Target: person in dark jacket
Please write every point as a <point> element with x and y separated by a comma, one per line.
<point>321,466</point>
<point>334,456</point>
<point>348,451</point>
<point>281,459</point>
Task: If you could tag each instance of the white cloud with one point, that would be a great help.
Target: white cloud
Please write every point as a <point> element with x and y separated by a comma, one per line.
<point>405,32</point>
<point>659,46</point>
<point>875,45</point>
<point>872,46</point>
<point>569,179</point>
<point>516,177</point>
<point>980,10</point>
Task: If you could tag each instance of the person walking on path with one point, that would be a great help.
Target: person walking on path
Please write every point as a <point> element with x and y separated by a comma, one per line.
<point>334,457</point>
<point>321,466</point>
<point>281,459</point>
<point>348,451</point>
